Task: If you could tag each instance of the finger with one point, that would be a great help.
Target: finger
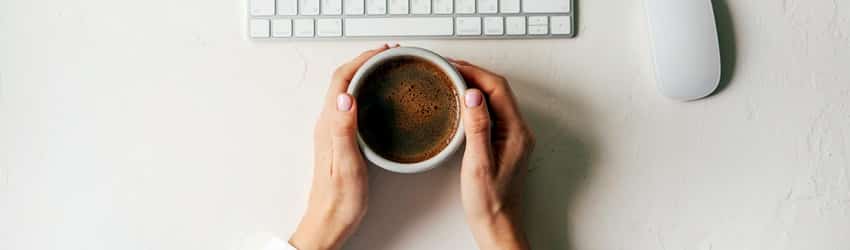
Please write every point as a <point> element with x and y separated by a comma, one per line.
<point>476,122</point>
<point>346,152</point>
<point>456,61</point>
<point>342,76</point>
<point>496,88</point>
<point>486,81</point>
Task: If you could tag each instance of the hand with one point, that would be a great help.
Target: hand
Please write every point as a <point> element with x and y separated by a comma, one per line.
<point>498,145</point>
<point>339,191</point>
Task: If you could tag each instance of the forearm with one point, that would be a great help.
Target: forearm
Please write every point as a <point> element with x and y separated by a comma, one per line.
<point>499,232</point>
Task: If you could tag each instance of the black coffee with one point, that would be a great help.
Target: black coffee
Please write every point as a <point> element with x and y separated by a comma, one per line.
<point>408,110</point>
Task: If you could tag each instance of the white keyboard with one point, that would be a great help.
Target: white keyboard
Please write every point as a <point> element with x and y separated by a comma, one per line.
<point>399,19</point>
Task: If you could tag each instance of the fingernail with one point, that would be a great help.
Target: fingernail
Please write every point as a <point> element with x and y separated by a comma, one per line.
<point>473,99</point>
<point>343,102</point>
<point>397,45</point>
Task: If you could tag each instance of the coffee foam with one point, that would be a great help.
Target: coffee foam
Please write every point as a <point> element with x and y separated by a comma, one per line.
<point>408,110</point>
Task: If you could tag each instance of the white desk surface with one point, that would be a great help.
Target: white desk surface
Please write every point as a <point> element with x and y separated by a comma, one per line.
<point>156,125</point>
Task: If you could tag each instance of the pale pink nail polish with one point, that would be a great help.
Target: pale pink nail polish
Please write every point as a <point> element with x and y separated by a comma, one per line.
<point>343,102</point>
<point>473,99</point>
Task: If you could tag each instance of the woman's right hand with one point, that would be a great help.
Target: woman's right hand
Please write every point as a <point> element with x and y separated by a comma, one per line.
<point>498,145</point>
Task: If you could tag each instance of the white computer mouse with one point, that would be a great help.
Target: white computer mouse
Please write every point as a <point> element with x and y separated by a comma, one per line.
<point>685,47</point>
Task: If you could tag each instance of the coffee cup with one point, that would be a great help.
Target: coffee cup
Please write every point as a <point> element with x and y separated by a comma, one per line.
<point>409,109</point>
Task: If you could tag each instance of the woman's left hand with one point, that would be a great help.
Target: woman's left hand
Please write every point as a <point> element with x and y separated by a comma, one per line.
<point>338,196</point>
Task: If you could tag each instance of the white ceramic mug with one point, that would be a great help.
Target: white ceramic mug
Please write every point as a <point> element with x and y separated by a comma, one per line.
<point>460,87</point>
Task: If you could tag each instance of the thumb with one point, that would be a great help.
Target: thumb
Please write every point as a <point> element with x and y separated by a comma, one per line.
<point>476,122</point>
<point>346,152</point>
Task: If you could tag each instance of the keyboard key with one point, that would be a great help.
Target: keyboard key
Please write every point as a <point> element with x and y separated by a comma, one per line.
<point>538,20</point>
<point>443,6</point>
<point>487,6</point>
<point>331,7</point>
<point>354,7</point>
<point>493,25</point>
<point>309,7</point>
<point>287,7</point>
<point>465,6</point>
<point>376,7</point>
<point>262,7</point>
<point>398,6</point>
<point>560,25</point>
<point>329,27</point>
<point>468,26</point>
<point>537,30</point>
<point>538,25</point>
<point>259,28</point>
<point>303,27</point>
<point>546,6</point>
<point>282,27</point>
<point>420,6</point>
<point>509,6</point>
<point>399,26</point>
<point>515,25</point>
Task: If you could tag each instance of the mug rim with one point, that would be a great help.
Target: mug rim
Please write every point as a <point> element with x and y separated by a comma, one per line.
<point>459,85</point>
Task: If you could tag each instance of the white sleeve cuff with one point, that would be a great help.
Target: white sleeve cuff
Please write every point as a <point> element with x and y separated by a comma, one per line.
<point>278,244</point>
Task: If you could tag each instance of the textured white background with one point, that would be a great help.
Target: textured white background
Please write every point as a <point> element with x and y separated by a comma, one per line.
<point>154,125</point>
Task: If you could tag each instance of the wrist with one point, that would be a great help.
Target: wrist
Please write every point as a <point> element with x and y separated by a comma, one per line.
<point>499,231</point>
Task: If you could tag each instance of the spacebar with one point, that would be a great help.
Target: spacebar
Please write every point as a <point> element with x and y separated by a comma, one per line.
<point>399,26</point>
